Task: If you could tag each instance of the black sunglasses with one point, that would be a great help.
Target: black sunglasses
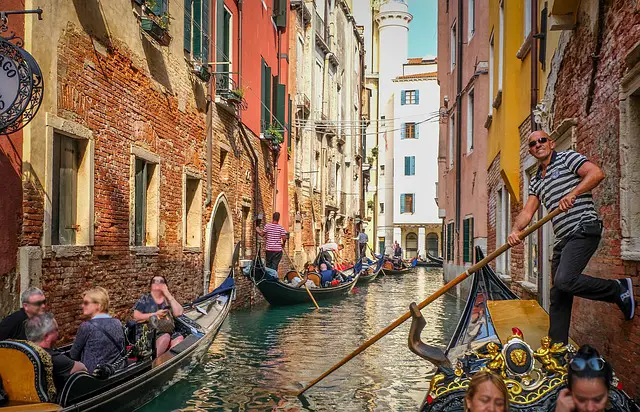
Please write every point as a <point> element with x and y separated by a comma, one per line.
<point>541,140</point>
<point>580,364</point>
<point>38,303</point>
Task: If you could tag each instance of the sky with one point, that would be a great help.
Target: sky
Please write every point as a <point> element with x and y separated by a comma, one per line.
<point>423,29</point>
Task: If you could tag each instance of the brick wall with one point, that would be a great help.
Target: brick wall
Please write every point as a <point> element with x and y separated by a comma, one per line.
<point>493,182</point>
<point>111,92</point>
<point>597,133</point>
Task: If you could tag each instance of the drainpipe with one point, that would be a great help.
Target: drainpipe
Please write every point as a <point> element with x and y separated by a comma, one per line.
<point>459,120</point>
<point>209,134</point>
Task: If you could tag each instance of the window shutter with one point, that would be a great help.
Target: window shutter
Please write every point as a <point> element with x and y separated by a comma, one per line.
<point>220,36</point>
<point>403,98</point>
<point>206,35</point>
<point>280,13</point>
<point>413,165</point>
<point>407,165</point>
<point>187,26</point>
<point>471,248</point>
<point>289,123</point>
<point>281,104</point>
<point>413,203</point>
<point>465,240</point>
<point>140,202</point>
<point>417,92</point>
<point>157,7</point>
<point>403,131</point>
<point>266,102</point>
<point>402,203</point>
<point>416,130</point>
<point>68,190</point>
<point>262,95</point>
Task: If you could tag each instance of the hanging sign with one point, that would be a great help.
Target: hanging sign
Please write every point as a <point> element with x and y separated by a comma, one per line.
<point>21,87</point>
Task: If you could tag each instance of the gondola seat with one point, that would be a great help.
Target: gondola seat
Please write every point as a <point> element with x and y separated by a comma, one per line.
<point>315,278</point>
<point>26,371</point>
<point>290,275</point>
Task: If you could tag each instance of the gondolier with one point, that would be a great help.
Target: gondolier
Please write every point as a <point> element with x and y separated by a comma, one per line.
<point>363,239</point>
<point>564,180</point>
<point>275,236</point>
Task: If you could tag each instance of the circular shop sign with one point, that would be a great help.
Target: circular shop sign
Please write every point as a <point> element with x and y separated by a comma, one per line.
<point>20,87</point>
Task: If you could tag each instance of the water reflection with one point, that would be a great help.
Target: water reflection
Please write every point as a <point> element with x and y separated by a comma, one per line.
<point>264,355</point>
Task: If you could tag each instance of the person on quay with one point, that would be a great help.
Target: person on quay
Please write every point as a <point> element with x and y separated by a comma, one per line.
<point>42,329</point>
<point>161,304</point>
<point>487,392</point>
<point>588,383</point>
<point>33,303</point>
<point>100,340</point>
<point>275,236</point>
<point>363,239</point>
<point>565,180</point>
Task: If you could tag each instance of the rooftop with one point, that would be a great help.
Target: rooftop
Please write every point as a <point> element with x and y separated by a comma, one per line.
<point>422,60</point>
<point>430,75</point>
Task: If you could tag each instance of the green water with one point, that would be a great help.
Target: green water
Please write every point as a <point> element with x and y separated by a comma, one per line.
<point>264,355</point>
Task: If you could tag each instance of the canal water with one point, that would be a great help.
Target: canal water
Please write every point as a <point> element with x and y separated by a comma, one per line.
<point>263,355</point>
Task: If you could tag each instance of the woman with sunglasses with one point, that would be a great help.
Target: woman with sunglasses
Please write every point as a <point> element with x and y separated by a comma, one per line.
<point>100,340</point>
<point>161,304</point>
<point>589,380</point>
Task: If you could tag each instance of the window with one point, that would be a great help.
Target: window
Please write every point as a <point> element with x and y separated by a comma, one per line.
<point>406,203</point>
<point>409,97</point>
<point>491,74</point>
<point>450,241</point>
<point>192,211</point>
<point>300,61</point>
<point>381,208</point>
<point>197,36</point>
<point>527,18</point>
<point>502,29</point>
<point>409,131</point>
<point>453,46</point>
<point>338,180</point>
<point>319,86</point>
<point>381,170</point>
<point>467,240</point>
<point>409,165</point>
<point>502,228</point>
<point>472,18</point>
<point>470,117</point>
<point>411,244</point>
<point>66,160</point>
<point>452,125</point>
<point>265,94</point>
<point>381,245</point>
<point>146,203</point>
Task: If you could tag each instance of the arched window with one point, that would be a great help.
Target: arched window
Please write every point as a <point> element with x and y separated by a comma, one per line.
<point>411,245</point>
<point>432,244</point>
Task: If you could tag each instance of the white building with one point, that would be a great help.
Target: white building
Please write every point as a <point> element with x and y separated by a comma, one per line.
<point>416,225</point>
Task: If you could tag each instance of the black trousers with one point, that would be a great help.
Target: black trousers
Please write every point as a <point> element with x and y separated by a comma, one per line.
<point>570,257</point>
<point>273,259</point>
<point>363,249</point>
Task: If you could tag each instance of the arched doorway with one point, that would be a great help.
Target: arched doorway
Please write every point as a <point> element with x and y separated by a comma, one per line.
<point>411,245</point>
<point>432,244</point>
<point>219,253</point>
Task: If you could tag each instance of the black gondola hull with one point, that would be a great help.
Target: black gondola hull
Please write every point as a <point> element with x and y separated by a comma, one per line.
<point>279,294</point>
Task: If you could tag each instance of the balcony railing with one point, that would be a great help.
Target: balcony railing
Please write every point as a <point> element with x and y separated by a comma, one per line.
<point>320,30</point>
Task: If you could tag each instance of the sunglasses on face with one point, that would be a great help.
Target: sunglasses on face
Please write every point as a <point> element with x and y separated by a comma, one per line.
<point>158,281</point>
<point>541,140</point>
<point>87,302</point>
<point>580,364</point>
<point>38,303</point>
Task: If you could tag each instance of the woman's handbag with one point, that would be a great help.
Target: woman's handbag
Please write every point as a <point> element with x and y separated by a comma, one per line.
<point>166,324</point>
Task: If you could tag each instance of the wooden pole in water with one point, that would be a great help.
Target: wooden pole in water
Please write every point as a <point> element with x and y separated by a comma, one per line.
<point>431,298</point>
<point>310,294</point>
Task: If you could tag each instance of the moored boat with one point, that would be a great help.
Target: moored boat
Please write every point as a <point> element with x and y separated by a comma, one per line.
<point>278,293</point>
<point>27,374</point>
<point>390,268</point>
<point>498,331</point>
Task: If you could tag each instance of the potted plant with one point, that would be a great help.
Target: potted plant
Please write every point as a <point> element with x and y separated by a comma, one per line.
<point>275,135</point>
<point>236,95</point>
<point>370,204</point>
<point>154,23</point>
<point>374,151</point>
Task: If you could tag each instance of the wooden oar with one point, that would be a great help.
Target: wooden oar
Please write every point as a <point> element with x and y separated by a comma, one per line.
<point>310,294</point>
<point>431,298</point>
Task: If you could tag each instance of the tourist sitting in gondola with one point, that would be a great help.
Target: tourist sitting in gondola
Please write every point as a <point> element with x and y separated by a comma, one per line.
<point>589,379</point>
<point>161,304</point>
<point>100,340</point>
<point>487,392</point>
<point>43,331</point>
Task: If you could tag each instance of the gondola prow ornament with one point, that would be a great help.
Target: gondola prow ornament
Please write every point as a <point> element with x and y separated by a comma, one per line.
<point>21,83</point>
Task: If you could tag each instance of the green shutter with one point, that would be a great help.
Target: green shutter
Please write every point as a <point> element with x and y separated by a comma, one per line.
<point>417,96</point>
<point>197,29</point>
<point>266,101</point>
<point>274,102</point>
<point>465,240</point>
<point>407,165</point>
<point>206,35</point>
<point>403,98</point>
<point>220,36</point>
<point>471,246</point>
<point>402,203</point>
<point>187,26</point>
<point>403,130</point>
<point>280,13</point>
<point>413,166</point>
<point>289,123</point>
<point>416,130</point>
<point>281,105</point>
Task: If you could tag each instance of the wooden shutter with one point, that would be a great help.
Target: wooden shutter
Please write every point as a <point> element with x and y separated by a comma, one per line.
<point>280,13</point>
<point>410,203</point>
<point>417,92</point>
<point>402,209</point>
<point>197,29</point>
<point>403,130</point>
<point>266,100</point>
<point>471,246</point>
<point>465,240</point>
<point>206,34</point>
<point>416,130</point>
<point>403,97</point>
<point>187,26</point>
<point>220,36</point>
<point>407,165</point>
<point>140,202</point>
<point>290,122</point>
<point>280,107</point>
<point>413,165</point>
<point>67,186</point>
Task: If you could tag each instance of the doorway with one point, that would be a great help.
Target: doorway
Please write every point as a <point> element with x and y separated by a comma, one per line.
<point>219,254</point>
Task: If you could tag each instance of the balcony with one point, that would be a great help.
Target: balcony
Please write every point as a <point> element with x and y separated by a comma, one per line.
<point>228,95</point>
<point>321,34</point>
<point>303,103</point>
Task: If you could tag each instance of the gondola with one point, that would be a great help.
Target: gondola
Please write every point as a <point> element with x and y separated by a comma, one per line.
<point>435,259</point>
<point>430,262</point>
<point>388,268</point>
<point>370,274</point>
<point>498,331</point>
<point>278,293</point>
<point>129,388</point>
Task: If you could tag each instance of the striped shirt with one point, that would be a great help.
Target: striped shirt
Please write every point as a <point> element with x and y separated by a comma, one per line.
<point>561,178</point>
<point>273,233</point>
